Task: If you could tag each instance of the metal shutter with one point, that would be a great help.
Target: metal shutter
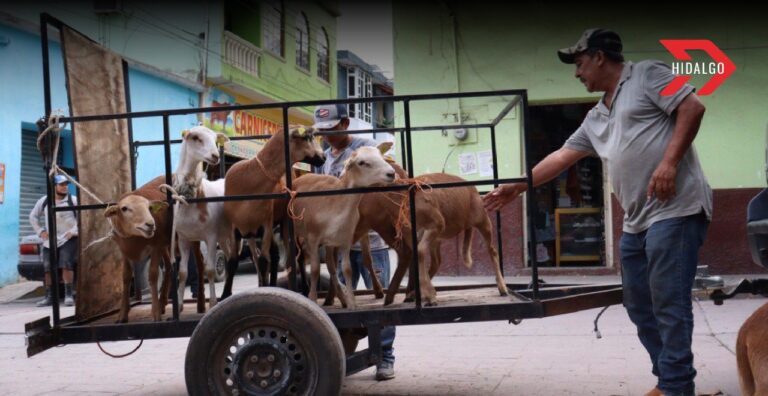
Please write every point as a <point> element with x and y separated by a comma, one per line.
<point>32,180</point>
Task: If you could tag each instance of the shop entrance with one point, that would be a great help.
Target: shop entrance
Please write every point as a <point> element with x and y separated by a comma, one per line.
<point>569,220</point>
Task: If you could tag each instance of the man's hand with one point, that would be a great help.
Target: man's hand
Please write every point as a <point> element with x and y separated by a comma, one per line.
<point>44,235</point>
<point>503,195</point>
<point>662,184</point>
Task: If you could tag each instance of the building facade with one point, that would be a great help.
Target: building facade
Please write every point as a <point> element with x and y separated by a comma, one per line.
<point>458,47</point>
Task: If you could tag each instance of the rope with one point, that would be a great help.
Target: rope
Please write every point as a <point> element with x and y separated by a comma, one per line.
<point>403,212</point>
<point>264,170</point>
<point>164,188</point>
<point>596,330</point>
<point>123,355</point>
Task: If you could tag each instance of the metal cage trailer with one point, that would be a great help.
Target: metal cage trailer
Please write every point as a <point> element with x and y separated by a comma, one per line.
<point>272,341</point>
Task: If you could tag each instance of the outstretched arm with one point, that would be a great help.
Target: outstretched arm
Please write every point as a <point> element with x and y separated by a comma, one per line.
<point>546,170</point>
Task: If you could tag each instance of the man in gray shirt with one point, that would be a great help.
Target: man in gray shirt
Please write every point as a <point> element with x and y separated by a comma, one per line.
<point>645,141</point>
<point>341,146</point>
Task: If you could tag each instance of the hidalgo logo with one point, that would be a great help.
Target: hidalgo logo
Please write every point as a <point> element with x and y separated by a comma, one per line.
<point>720,68</point>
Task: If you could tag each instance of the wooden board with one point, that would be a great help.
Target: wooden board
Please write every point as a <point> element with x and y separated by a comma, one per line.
<point>95,85</point>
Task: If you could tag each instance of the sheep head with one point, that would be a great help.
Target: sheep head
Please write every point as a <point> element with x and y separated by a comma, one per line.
<point>202,144</point>
<point>367,167</point>
<point>132,216</point>
<point>304,146</point>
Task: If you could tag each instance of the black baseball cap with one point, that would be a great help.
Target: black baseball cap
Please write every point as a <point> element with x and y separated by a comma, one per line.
<point>597,38</point>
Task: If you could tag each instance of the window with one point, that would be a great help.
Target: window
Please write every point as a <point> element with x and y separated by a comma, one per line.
<point>323,69</point>
<point>359,86</point>
<point>302,41</point>
<point>274,27</point>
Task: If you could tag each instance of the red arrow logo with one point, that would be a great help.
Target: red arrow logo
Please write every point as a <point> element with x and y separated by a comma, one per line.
<point>679,48</point>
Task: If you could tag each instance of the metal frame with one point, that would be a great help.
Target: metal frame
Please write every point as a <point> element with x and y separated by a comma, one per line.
<point>534,301</point>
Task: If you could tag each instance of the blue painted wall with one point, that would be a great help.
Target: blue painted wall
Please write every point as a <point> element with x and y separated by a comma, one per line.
<point>21,103</point>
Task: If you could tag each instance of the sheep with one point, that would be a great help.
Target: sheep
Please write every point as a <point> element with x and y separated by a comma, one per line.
<point>262,175</point>
<point>204,221</point>
<point>752,354</point>
<point>332,220</point>
<point>380,212</point>
<point>140,229</point>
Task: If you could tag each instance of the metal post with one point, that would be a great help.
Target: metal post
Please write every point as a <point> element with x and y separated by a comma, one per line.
<point>530,199</point>
<point>289,184</point>
<point>414,274</point>
<point>53,255</point>
<point>403,149</point>
<point>129,120</point>
<point>498,212</point>
<point>169,181</point>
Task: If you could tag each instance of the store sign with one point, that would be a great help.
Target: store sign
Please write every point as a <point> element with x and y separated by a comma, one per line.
<point>237,123</point>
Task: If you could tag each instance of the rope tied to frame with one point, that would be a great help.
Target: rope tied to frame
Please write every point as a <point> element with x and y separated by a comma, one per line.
<point>403,219</point>
<point>164,188</point>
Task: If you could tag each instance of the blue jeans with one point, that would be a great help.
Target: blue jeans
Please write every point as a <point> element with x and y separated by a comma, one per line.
<point>380,259</point>
<point>658,269</point>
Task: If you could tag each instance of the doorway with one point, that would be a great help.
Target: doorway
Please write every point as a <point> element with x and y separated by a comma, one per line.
<point>569,213</point>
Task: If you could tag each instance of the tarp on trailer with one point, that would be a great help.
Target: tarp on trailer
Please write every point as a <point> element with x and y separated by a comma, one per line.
<point>95,85</point>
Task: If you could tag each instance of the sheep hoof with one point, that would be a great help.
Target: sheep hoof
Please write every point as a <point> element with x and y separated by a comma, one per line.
<point>430,303</point>
<point>122,320</point>
<point>379,295</point>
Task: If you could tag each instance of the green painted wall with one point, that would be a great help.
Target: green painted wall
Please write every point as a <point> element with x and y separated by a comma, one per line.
<point>280,78</point>
<point>498,46</point>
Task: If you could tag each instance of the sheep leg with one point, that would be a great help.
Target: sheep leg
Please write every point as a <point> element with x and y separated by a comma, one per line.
<point>256,257</point>
<point>436,258</point>
<point>124,306</point>
<point>346,266</point>
<point>467,248</point>
<point>184,246</point>
<point>199,266</point>
<point>265,260</point>
<point>232,263</point>
<point>403,260</point>
<point>485,231</point>
<point>365,244</point>
<point>428,293</point>
<point>311,254</point>
<point>166,285</point>
<point>210,271</point>
<point>154,272</point>
<point>330,256</point>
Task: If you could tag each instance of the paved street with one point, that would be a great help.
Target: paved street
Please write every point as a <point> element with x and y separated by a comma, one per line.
<point>553,356</point>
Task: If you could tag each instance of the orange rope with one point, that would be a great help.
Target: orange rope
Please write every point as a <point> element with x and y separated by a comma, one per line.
<point>264,170</point>
<point>403,214</point>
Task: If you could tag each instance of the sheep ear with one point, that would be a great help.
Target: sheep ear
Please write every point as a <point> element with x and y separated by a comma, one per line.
<point>221,139</point>
<point>184,133</point>
<point>384,147</point>
<point>110,211</point>
<point>156,206</point>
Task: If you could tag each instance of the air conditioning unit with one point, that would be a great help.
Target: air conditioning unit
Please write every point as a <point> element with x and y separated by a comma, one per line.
<point>107,6</point>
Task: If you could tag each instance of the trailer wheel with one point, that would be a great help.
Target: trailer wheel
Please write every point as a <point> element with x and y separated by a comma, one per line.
<point>265,342</point>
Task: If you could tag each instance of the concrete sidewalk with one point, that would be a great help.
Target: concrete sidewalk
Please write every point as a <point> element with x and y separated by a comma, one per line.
<point>553,356</point>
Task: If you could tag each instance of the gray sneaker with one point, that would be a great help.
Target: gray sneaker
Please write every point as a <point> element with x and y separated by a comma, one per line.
<point>69,301</point>
<point>45,302</point>
<point>385,371</point>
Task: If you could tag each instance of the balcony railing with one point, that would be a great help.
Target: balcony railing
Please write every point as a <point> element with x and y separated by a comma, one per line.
<point>241,54</point>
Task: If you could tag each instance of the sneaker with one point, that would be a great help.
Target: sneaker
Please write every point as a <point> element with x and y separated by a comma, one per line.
<point>45,302</point>
<point>69,301</point>
<point>385,371</point>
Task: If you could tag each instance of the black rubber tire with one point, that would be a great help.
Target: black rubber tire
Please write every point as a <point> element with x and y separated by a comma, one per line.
<point>221,351</point>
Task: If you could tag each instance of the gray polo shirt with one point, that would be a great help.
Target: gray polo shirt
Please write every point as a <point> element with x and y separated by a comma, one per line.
<point>335,164</point>
<point>631,139</point>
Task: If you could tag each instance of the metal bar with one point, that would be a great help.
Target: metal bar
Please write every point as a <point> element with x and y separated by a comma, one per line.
<point>530,199</point>
<point>403,149</point>
<point>49,189</point>
<point>306,103</point>
<point>289,186</point>
<point>169,181</point>
<point>511,105</point>
<point>498,212</point>
<point>439,127</point>
<point>414,273</point>
<point>358,190</point>
<point>131,148</point>
<point>358,362</point>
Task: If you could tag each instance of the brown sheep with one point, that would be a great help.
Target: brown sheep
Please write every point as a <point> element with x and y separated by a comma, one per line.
<point>752,354</point>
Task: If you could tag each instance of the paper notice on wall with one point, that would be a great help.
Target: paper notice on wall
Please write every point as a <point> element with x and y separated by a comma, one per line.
<point>485,163</point>
<point>467,164</point>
